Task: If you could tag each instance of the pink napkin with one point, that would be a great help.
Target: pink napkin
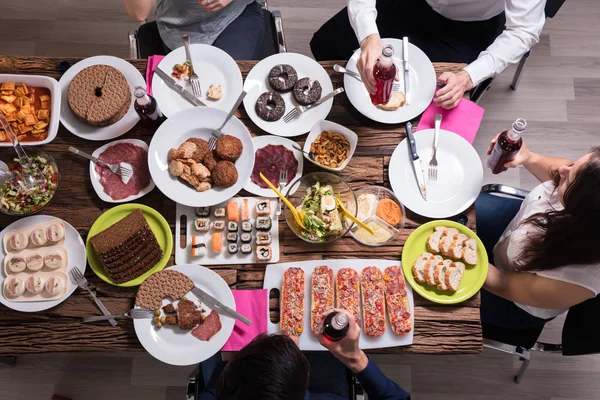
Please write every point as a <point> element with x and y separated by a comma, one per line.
<point>464,119</point>
<point>153,62</point>
<point>252,304</point>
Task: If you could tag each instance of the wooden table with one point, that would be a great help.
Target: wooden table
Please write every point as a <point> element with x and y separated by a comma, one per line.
<point>438,329</point>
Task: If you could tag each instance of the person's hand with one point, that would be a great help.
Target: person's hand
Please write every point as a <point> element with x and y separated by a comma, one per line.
<point>521,157</point>
<point>370,51</point>
<point>455,87</point>
<point>347,350</point>
<point>213,5</point>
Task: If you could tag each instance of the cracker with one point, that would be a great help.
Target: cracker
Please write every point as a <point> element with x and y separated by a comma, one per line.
<point>166,283</point>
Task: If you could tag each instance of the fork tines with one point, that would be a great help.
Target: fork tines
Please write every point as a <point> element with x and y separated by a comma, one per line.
<point>291,115</point>
<point>196,86</point>
<point>212,142</point>
<point>433,172</point>
<point>123,171</point>
<point>76,275</point>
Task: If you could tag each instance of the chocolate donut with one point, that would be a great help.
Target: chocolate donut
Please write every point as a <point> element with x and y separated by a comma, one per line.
<point>270,106</point>
<point>283,77</point>
<point>307,91</point>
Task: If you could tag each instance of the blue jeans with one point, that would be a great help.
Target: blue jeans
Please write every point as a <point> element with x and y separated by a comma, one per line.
<point>243,38</point>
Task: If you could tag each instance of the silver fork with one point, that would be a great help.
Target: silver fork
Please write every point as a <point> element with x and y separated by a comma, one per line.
<point>283,180</point>
<point>115,169</point>
<point>296,111</point>
<point>194,80</point>
<point>80,280</point>
<point>433,164</point>
<point>217,132</point>
<point>136,313</point>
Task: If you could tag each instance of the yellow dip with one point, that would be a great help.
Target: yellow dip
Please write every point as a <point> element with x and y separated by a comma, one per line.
<point>380,233</point>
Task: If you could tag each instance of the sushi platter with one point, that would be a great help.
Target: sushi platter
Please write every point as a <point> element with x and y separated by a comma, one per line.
<point>243,230</point>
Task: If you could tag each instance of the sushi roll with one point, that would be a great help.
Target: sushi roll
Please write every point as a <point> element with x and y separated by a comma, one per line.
<point>232,226</point>
<point>245,210</point>
<point>263,207</point>
<point>263,253</point>
<point>217,242</point>
<point>198,247</point>
<point>232,237</point>
<point>233,211</point>
<point>263,238</point>
<point>219,225</point>
<point>233,248</point>
<point>203,211</point>
<point>220,212</point>
<point>263,223</point>
<point>246,237</point>
<point>246,248</point>
<point>202,224</point>
<point>247,226</point>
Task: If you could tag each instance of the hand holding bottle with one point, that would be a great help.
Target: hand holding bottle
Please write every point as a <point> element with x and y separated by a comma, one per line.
<point>521,158</point>
<point>370,51</point>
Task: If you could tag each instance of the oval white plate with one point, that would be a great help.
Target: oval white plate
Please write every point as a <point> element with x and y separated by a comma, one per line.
<point>75,250</point>
<point>95,178</point>
<point>257,83</point>
<point>262,141</point>
<point>212,65</point>
<point>197,122</point>
<point>89,132</point>
<point>422,79</point>
<point>175,346</point>
<point>460,175</point>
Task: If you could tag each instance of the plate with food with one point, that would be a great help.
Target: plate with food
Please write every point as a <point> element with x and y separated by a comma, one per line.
<point>184,331</point>
<point>127,153</point>
<point>128,243</point>
<point>272,154</point>
<point>422,87</point>
<point>281,82</point>
<point>31,104</point>
<point>445,262</point>
<point>37,254</point>
<point>97,97</point>
<point>220,79</point>
<point>330,145</point>
<point>186,171</point>
<point>374,291</point>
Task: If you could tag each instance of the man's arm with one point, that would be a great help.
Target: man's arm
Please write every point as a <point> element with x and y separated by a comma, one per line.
<point>139,9</point>
<point>377,385</point>
<point>362,15</point>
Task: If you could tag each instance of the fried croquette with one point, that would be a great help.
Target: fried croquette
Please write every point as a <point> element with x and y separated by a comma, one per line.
<point>225,174</point>
<point>210,161</point>
<point>201,149</point>
<point>229,148</point>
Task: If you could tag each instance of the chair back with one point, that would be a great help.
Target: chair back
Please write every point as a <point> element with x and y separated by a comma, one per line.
<point>581,332</point>
<point>552,7</point>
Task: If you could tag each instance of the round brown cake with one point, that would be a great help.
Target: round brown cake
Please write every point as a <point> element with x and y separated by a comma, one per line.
<point>99,95</point>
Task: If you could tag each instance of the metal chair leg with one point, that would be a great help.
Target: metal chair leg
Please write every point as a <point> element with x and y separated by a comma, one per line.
<point>519,72</point>
<point>133,45</point>
<point>279,31</point>
<point>522,370</point>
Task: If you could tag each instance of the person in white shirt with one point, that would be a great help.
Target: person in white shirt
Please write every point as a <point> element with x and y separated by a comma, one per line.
<point>543,251</point>
<point>489,35</point>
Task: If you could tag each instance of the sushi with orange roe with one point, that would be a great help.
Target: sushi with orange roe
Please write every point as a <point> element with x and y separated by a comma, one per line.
<point>217,242</point>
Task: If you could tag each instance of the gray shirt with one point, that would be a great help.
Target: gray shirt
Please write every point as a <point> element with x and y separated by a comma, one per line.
<point>176,17</point>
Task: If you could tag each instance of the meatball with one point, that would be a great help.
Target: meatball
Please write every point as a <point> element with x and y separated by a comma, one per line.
<point>210,161</point>
<point>201,149</point>
<point>225,174</point>
<point>229,147</point>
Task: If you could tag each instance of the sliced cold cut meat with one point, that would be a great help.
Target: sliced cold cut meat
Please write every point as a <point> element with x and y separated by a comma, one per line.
<point>209,328</point>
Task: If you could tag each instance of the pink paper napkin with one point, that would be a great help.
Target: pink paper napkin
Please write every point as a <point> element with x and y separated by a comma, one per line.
<point>464,119</point>
<point>252,304</point>
<point>153,62</point>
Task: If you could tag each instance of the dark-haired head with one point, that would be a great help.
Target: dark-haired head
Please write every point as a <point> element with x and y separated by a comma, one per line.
<point>268,368</point>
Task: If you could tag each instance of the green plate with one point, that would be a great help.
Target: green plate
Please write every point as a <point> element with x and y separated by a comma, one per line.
<point>157,223</point>
<point>473,278</point>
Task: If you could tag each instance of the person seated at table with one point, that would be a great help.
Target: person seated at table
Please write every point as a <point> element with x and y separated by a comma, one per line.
<point>543,251</point>
<point>274,368</point>
<point>489,35</point>
<point>236,27</point>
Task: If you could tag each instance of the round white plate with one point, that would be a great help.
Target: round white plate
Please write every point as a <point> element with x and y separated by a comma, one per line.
<point>262,141</point>
<point>95,178</point>
<point>75,250</point>
<point>257,83</point>
<point>175,346</point>
<point>197,122</point>
<point>89,132</point>
<point>213,67</point>
<point>422,79</point>
<point>460,175</point>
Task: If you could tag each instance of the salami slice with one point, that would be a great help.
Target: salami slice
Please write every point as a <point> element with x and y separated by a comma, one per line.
<point>292,302</point>
<point>348,292</point>
<point>397,302</point>
<point>321,295</point>
<point>373,301</point>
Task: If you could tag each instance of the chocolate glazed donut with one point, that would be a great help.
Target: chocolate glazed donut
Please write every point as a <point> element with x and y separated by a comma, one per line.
<point>283,77</point>
<point>270,106</point>
<point>307,91</point>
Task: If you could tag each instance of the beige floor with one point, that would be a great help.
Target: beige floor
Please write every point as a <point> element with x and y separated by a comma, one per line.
<point>559,96</point>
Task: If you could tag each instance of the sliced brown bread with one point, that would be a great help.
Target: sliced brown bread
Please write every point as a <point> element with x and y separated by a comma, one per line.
<point>138,269</point>
<point>418,268</point>
<point>119,232</point>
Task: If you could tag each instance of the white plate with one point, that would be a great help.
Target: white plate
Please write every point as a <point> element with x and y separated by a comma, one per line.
<point>197,122</point>
<point>460,175</point>
<point>45,82</point>
<point>257,83</point>
<point>422,79</point>
<point>329,126</point>
<point>175,346</point>
<point>212,65</point>
<point>95,178</point>
<point>89,132</point>
<point>76,252</point>
<point>262,141</point>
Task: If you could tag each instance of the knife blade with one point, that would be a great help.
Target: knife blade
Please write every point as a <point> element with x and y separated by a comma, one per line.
<point>217,305</point>
<point>406,73</point>
<point>412,147</point>
<point>172,83</point>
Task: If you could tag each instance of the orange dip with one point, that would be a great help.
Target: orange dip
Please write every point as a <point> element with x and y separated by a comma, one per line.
<point>389,211</point>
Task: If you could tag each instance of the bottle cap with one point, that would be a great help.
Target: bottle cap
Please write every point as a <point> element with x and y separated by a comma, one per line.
<point>520,124</point>
<point>139,92</point>
<point>340,320</point>
<point>388,50</point>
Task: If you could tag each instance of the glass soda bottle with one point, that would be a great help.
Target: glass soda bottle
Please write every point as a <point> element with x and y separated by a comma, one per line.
<point>384,73</point>
<point>507,146</point>
<point>147,108</point>
<point>335,326</point>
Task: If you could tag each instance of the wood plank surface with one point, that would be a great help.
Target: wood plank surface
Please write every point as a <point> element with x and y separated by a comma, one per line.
<point>438,329</point>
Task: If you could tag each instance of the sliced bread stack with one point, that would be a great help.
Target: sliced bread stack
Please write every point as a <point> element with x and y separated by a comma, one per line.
<point>450,243</point>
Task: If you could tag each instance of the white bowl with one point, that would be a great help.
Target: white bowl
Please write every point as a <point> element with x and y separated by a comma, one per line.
<point>324,125</point>
<point>45,82</point>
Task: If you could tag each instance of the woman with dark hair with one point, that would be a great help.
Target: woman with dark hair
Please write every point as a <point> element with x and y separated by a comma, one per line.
<point>543,252</point>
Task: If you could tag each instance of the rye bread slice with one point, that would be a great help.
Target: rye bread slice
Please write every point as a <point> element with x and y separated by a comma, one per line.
<point>115,235</point>
<point>138,269</point>
<point>82,89</point>
<point>133,260</point>
<point>115,95</point>
<point>132,245</point>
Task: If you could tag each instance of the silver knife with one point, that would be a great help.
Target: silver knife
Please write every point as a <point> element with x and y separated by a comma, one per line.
<point>412,147</point>
<point>172,83</point>
<point>217,305</point>
<point>406,73</point>
<point>325,98</point>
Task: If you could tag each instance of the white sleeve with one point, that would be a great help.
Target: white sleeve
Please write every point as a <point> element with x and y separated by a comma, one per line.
<point>362,14</point>
<point>524,22</point>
